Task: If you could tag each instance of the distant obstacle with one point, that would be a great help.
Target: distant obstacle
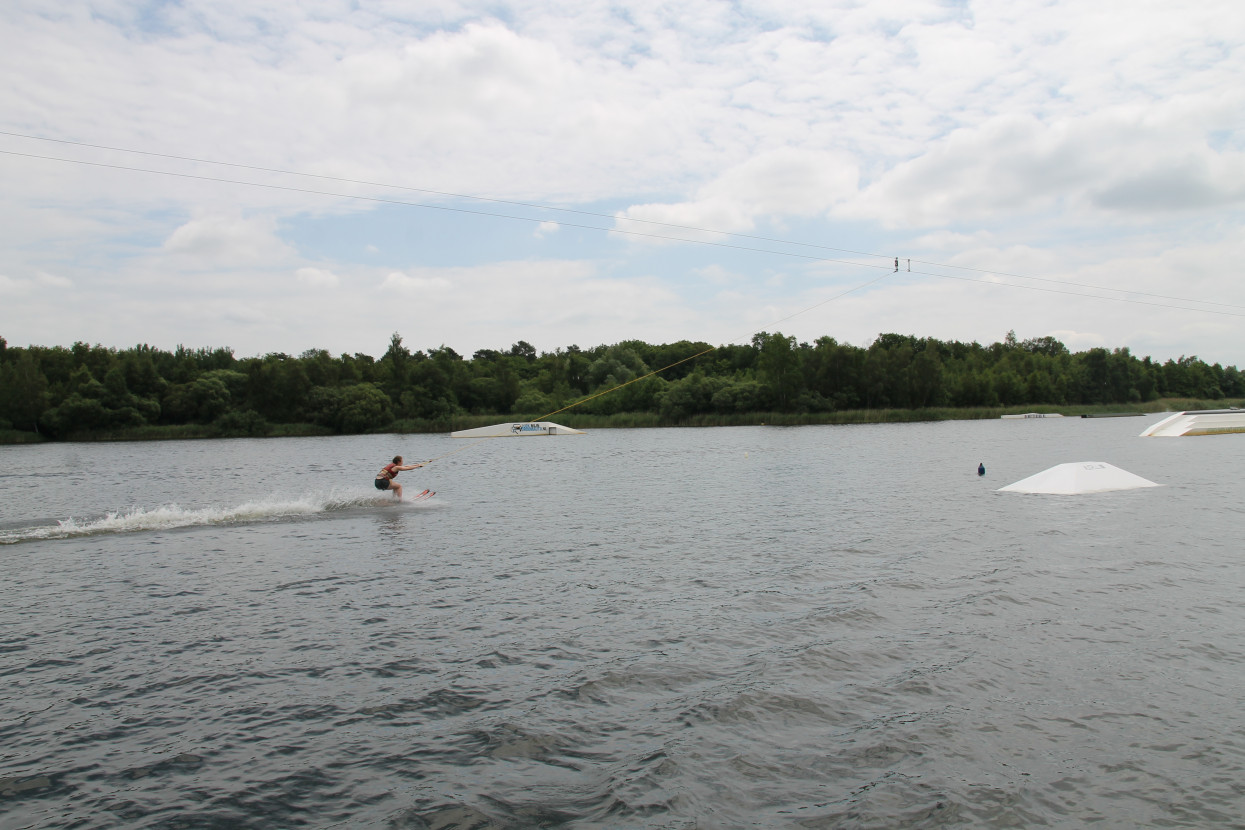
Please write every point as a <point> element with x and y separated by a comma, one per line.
<point>517,430</point>
<point>1077,478</point>
<point>1199,422</point>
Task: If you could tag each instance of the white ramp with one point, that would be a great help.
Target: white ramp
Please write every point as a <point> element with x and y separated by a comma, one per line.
<point>514,430</point>
<point>1199,422</point>
<point>1079,477</point>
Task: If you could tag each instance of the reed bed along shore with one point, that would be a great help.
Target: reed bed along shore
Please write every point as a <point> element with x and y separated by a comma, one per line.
<point>642,420</point>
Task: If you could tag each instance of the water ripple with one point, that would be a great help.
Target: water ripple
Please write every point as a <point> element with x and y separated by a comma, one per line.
<point>864,640</point>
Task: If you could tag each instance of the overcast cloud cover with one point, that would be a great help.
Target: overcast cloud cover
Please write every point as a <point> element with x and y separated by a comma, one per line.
<point>1096,148</point>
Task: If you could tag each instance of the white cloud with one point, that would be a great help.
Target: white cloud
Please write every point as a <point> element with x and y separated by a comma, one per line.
<point>787,182</point>
<point>1195,180</point>
<point>318,277</point>
<point>415,284</point>
<point>54,281</point>
<point>549,303</point>
<point>248,316</point>
<point>1077,341</point>
<point>222,241</point>
<point>1098,142</point>
<point>11,287</point>
<point>717,275</point>
<point>47,282</point>
<point>1119,160</point>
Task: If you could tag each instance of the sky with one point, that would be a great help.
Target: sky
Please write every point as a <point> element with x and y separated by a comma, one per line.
<point>278,177</point>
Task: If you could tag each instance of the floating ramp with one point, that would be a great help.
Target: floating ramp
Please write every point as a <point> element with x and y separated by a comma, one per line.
<point>1079,477</point>
<point>1198,422</point>
<point>517,430</point>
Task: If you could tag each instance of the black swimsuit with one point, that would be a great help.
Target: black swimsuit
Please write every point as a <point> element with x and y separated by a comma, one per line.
<point>385,476</point>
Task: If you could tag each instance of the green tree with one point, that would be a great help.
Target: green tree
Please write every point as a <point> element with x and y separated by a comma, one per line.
<point>201,401</point>
<point>395,368</point>
<point>23,391</point>
<point>1008,387</point>
<point>75,414</point>
<point>277,386</point>
<point>778,368</point>
<point>692,395</point>
<point>834,372</point>
<point>364,407</point>
<point>524,350</point>
<point>141,376</point>
<point>742,395</point>
<point>925,383</point>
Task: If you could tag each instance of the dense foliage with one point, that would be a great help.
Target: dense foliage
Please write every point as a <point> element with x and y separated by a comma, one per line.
<point>83,389</point>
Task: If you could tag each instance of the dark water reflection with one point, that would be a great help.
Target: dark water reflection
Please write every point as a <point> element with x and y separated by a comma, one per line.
<point>813,627</point>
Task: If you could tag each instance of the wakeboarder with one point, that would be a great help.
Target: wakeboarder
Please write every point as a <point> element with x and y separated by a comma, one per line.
<point>385,479</point>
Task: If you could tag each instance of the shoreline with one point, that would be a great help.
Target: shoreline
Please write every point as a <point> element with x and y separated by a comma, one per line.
<point>633,420</point>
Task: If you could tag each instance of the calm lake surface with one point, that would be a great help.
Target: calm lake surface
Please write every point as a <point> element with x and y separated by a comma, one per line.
<point>812,627</point>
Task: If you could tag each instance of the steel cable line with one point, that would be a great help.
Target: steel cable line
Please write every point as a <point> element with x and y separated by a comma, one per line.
<point>887,267</point>
<point>614,217</point>
<point>1066,282</point>
<point>1087,296</point>
<point>810,257</point>
<point>382,200</point>
<point>456,195</point>
<point>714,348</point>
<point>843,294</point>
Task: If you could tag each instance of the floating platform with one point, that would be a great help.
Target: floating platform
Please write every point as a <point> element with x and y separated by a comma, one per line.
<point>517,430</point>
<point>1114,415</point>
<point>1029,415</point>
<point>1077,478</point>
<point>1198,422</point>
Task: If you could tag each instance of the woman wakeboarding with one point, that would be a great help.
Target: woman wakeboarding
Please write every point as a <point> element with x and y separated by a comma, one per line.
<point>385,479</point>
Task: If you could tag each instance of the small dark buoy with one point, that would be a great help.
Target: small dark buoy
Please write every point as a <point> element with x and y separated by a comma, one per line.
<point>981,469</point>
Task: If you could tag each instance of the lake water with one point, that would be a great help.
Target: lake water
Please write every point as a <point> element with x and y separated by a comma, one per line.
<point>813,627</point>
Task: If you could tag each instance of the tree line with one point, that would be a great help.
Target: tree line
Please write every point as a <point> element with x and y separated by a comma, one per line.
<point>62,392</point>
